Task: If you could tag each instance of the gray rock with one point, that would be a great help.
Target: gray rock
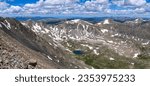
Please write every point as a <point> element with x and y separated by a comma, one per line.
<point>1,60</point>
<point>30,67</point>
<point>32,62</point>
<point>4,52</point>
<point>6,61</point>
<point>12,54</point>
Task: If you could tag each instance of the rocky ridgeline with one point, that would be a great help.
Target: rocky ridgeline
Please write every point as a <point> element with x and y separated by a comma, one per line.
<point>22,48</point>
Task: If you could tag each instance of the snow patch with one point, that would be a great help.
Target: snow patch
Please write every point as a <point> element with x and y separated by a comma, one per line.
<point>132,63</point>
<point>71,37</point>
<point>50,43</point>
<point>85,45</point>
<point>106,22</point>
<point>56,34</point>
<point>75,20</point>
<point>5,26</point>
<point>97,48</point>
<point>58,61</point>
<point>75,67</point>
<point>110,41</point>
<point>111,59</point>
<point>46,30</point>
<point>115,35</point>
<point>135,55</point>
<point>23,23</point>
<point>146,43</point>
<point>37,28</point>
<point>68,50</point>
<point>69,45</point>
<point>99,23</point>
<point>137,20</point>
<point>57,38</point>
<point>0,25</point>
<point>8,24</point>
<point>55,45</point>
<point>95,52</point>
<point>104,30</point>
<point>49,58</point>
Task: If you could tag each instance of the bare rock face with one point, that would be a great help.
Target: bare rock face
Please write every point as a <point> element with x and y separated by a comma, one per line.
<point>1,60</point>
<point>32,62</point>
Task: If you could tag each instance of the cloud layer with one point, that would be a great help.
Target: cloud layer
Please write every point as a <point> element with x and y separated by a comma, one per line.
<point>73,7</point>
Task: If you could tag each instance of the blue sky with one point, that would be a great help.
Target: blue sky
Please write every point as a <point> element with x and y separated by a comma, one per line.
<point>19,2</point>
<point>129,8</point>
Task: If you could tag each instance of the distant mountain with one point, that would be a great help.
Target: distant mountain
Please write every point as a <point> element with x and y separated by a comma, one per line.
<point>89,19</point>
<point>76,43</point>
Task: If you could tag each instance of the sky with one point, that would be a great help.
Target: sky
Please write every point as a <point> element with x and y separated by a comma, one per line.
<point>129,8</point>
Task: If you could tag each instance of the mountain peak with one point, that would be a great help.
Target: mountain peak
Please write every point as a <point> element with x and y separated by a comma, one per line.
<point>107,21</point>
<point>76,20</point>
<point>138,20</point>
<point>79,21</point>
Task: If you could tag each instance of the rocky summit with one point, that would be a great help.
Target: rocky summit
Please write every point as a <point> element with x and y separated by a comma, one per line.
<point>74,44</point>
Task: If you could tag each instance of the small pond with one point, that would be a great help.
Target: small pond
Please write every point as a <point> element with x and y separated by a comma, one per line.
<point>78,52</point>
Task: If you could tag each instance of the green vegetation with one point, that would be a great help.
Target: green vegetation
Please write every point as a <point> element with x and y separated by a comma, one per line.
<point>103,61</point>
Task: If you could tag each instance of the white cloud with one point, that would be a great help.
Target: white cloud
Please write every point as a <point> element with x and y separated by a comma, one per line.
<point>59,1</point>
<point>40,3</point>
<point>13,9</point>
<point>139,10</point>
<point>3,5</point>
<point>46,7</point>
<point>147,7</point>
<point>137,2</point>
<point>119,2</point>
<point>129,2</point>
<point>102,1</point>
<point>126,11</point>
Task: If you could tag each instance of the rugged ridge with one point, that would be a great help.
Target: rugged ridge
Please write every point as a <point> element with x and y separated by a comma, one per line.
<point>123,40</point>
<point>34,46</point>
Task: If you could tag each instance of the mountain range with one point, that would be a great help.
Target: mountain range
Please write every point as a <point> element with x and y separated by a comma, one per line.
<point>74,43</point>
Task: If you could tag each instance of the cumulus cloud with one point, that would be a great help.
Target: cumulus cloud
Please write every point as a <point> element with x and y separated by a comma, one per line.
<point>137,2</point>
<point>47,7</point>
<point>34,5</point>
<point>119,2</point>
<point>14,9</point>
<point>3,5</point>
<point>6,8</point>
<point>59,1</point>
<point>129,2</point>
<point>102,1</point>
